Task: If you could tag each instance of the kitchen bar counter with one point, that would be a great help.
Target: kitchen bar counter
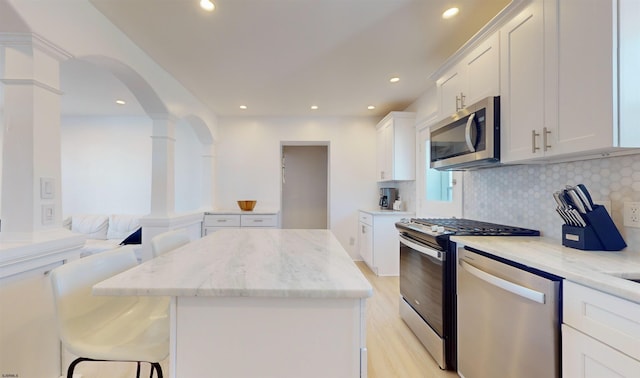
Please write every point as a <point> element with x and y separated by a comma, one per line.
<point>258,302</point>
<point>248,263</point>
<point>601,270</point>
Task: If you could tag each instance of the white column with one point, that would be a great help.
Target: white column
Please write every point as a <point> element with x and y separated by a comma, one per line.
<point>163,166</point>
<point>30,80</point>
<point>208,173</point>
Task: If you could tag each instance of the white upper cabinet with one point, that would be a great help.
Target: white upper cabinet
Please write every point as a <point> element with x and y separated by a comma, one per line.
<point>524,97</point>
<point>567,86</point>
<point>474,77</point>
<point>396,147</point>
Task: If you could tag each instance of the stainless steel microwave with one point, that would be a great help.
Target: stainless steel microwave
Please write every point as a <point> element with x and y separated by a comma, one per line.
<point>470,139</point>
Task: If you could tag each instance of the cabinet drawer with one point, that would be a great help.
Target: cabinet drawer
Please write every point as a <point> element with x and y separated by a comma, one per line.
<point>583,356</point>
<point>259,221</point>
<point>222,220</point>
<point>366,218</point>
<point>605,317</point>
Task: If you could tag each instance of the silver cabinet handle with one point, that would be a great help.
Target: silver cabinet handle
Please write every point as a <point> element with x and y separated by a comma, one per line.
<point>509,286</point>
<point>533,141</point>
<point>545,137</point>
<point>468,132</point>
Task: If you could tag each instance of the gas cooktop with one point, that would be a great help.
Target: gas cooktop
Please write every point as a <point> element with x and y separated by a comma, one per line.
<point>457,226</point>
<point>439,229</point>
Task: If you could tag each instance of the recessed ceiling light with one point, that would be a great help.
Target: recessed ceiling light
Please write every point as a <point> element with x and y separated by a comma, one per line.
<point>314,107</point>
<point>394,79</point>
<point>243,107</point>
<point>121,102</point>
<point>371,107</point>
<point>207,5</point>
<point>450,12</point>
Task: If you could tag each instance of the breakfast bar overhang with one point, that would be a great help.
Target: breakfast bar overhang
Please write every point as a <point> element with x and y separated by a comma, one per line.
<point>258,303</point>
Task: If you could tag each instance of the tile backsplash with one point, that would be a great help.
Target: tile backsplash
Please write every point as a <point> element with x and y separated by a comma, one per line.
<point>522,195</point>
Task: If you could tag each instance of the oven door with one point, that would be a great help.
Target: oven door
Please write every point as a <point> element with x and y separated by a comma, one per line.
<point>422,280</point>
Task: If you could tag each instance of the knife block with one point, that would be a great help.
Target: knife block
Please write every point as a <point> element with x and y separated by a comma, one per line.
<point>600,234</point>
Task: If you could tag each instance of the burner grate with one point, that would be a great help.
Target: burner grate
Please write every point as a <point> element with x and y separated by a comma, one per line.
<point>472,227</point>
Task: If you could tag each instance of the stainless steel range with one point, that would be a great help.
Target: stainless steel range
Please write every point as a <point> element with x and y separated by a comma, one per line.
<point>428,278</point>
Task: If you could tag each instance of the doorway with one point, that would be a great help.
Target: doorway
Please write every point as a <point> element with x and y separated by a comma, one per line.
<point>305,173</point>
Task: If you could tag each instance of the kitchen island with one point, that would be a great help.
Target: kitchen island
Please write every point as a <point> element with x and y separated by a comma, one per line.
<point>258,303</point>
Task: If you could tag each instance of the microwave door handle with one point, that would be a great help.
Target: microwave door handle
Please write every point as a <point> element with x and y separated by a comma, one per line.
<point>509,286</point>
<point>468,132</point>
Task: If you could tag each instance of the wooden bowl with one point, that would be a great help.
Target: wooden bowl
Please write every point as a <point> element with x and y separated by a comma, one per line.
<point>247,205</point>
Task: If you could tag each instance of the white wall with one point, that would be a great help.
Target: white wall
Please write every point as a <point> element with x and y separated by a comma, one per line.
<point>106,165</point>
<point>248,165</point>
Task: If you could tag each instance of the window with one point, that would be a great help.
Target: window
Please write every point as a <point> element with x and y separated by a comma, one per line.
<point>439,192</point>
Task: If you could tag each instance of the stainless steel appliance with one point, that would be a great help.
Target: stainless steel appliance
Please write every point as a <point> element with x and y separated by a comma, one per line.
<point>387,198</point>
<point>428,279</point>
<point>508,318</point>
<point>469,139</point>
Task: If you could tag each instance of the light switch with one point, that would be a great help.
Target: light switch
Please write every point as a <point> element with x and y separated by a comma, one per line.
<point>48,214</point>
<point>46,188</point>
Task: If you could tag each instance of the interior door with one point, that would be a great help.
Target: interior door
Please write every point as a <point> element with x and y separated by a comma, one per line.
<point>305,186</point>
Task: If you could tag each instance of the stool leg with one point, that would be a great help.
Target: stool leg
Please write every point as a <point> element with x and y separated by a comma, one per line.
<point>75,362</point>
<point>156,366</point>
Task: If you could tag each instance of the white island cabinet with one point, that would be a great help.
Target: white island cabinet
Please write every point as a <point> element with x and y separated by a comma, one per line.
<point>258,303</point>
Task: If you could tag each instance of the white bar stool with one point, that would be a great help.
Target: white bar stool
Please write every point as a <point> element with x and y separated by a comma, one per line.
<point>108,328</point>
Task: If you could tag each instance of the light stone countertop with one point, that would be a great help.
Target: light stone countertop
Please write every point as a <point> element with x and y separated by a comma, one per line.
<point>601,270</point>
<point>248,263</point>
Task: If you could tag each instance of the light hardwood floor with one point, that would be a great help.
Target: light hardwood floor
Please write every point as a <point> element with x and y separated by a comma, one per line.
<point>393,350</point>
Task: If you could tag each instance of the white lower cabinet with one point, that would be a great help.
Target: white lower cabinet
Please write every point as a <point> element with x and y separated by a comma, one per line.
<point>378,243</point>
<point>583,356</point>
<point>219,221</point>
<point>600,334</point>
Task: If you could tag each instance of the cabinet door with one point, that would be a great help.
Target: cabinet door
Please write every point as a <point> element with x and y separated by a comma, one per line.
<point>583,356</point>
<point>482,66</point>
<point>450,86</point>
<point>384,150</point>
<point>585,76</point>
<point>522,84</point>
<point>365,243</point>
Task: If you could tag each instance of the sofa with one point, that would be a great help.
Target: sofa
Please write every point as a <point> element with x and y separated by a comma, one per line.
<point>105,232</point>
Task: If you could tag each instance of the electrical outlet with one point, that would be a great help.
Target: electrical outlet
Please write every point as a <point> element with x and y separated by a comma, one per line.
<point>632,214</point>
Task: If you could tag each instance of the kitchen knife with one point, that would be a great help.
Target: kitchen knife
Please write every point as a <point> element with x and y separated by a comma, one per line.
<point>560,209</point>
<point>583,192</point>
<point>576,201</point>
<point>564,197</point>
<point>566,209</point>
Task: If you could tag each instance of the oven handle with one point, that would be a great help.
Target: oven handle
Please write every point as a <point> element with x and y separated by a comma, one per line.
<point>420,248</point>
<point>522,291</point>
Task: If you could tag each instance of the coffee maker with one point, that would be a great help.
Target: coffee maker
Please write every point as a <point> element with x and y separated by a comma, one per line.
<point>387,198</point>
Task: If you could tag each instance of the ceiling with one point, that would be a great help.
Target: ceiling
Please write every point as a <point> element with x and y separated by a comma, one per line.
<point>279,57</point>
